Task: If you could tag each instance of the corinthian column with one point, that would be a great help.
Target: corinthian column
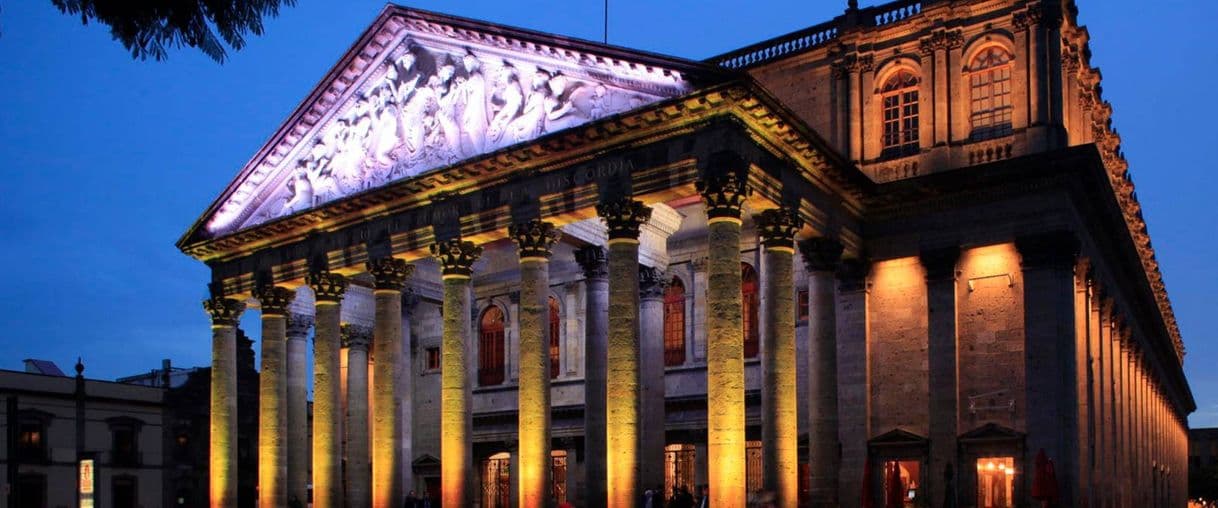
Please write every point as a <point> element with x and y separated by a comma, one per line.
<point>298,414</point>
<point>534,239</point>
<point>779,421</point>
<point>821,257</point>
<point>724,192</point>
<point>272,395</point>
<point>356,340</point>
<point>390,274</point>
<point>222,448</point>
<point>594,262</point>
<point>328,290</point>
<point>623,216</point>
<point>652,283</point>
<point>456,421</point>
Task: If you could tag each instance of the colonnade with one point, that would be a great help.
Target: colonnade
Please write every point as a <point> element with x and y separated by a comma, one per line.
<point>615,419</point>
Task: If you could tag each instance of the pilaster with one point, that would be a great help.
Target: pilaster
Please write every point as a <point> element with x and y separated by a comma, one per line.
<point>272,397</point>
<point>390,276</point>
<point>593,260</point>
<point>222,448</point>
<point>623,216</point>
<point>941,272</point>
<point>821,258</point>
<point>535,240</point>
<point>328,290</point>
<point>780,422</point>
<point>724,190</point>
<point>456,259</point>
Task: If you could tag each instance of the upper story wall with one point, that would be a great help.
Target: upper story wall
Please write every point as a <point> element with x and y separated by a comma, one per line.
<point>910,88</point>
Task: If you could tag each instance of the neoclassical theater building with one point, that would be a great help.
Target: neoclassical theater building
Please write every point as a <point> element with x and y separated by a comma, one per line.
<point>886,260</point>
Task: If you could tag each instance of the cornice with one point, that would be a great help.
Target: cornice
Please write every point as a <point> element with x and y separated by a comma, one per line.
<point>769,124</point>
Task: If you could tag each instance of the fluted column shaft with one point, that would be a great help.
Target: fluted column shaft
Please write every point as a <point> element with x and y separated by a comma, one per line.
<point>821,257</point>
<point>222,446</point>
<point>534,240</point>
<point>623,217</point>
<point>359,485</point>
<point>390,275</point>
<point>594,261</point>
<point>779,403</point>
<point>724,194</point>
<point>456,421</point>
<point>298,410</point>
<point>272,398</point>
<point>328,290</point>
<point>652,284</point>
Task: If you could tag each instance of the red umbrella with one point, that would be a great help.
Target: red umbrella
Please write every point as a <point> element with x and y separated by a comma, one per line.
<point>1044,480</point>
<point>865,498</point>
<point>894,492</point>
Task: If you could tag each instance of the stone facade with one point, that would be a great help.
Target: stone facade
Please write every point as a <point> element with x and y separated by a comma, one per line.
<point>974,287</point>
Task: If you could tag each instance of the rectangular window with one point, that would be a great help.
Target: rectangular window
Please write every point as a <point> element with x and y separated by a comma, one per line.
<point>433,358</point>
<point>995,482</point>
<point>801,305</point>
<point>124,451</point>
<point>31,442</point>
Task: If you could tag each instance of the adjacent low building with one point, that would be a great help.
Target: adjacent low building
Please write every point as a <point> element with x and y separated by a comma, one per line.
<point>54,422</point>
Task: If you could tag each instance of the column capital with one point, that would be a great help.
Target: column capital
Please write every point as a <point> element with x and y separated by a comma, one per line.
<point>821,254</point>
<point>940,264</point>
<point>456,257</point>
<point>594,261</point>
<point>723,193</point>
<point>623,217</point>
<point>777,227</point>
<point>327,286</point>
<point>390,273</point>
<point>534,239</point>
<point>1054,249</point>
<point>652,282</point>
<point>223,311</point>
<point>356,336</point>
<point>298,325</point>
<point>274,299</point>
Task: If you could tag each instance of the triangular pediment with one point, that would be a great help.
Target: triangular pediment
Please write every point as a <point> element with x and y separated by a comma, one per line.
<point>422,91</point>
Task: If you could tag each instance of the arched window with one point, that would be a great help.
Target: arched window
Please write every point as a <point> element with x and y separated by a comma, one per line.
<point>490,347</point>
<point>555,325</point>
<point>990,82</point>
<point>748,301</point>
<point>674,323</point>
<point>899,97</point>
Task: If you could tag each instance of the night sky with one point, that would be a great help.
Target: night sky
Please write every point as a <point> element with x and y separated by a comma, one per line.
<point>106,160</point>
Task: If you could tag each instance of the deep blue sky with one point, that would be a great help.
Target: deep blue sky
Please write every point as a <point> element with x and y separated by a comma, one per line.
<point>106,161</point>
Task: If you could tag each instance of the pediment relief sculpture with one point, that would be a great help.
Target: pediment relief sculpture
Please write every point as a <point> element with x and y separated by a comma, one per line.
<point>433,99</point>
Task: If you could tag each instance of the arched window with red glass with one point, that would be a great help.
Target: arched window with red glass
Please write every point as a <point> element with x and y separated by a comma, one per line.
<point>555,327</point>
<point>749,289</point>
<point>490,347</point>
<point>674,323</point>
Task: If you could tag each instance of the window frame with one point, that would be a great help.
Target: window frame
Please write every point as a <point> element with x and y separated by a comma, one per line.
<point>554,321</point>
<point>900,132</point>
<point>39,453</point>
<point>128,458</point>
<point>490,371</point>
<point>750,310</point>
<point>993,121</point>
<point>674,323</point>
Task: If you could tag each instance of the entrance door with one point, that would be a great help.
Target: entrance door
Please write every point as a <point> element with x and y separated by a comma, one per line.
<point>123,492</point>
<point>496,481</point>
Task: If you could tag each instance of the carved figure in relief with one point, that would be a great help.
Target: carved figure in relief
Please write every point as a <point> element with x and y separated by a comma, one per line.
<point>510,98</point>
<point>531,121</point>
<point>448,135</point>
<point>474,106</point>
<point>302,193</point>
<point>562,109</point>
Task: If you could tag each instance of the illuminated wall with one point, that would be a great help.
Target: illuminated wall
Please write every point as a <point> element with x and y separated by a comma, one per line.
<point>898,345</point>
<point>990,327</point>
